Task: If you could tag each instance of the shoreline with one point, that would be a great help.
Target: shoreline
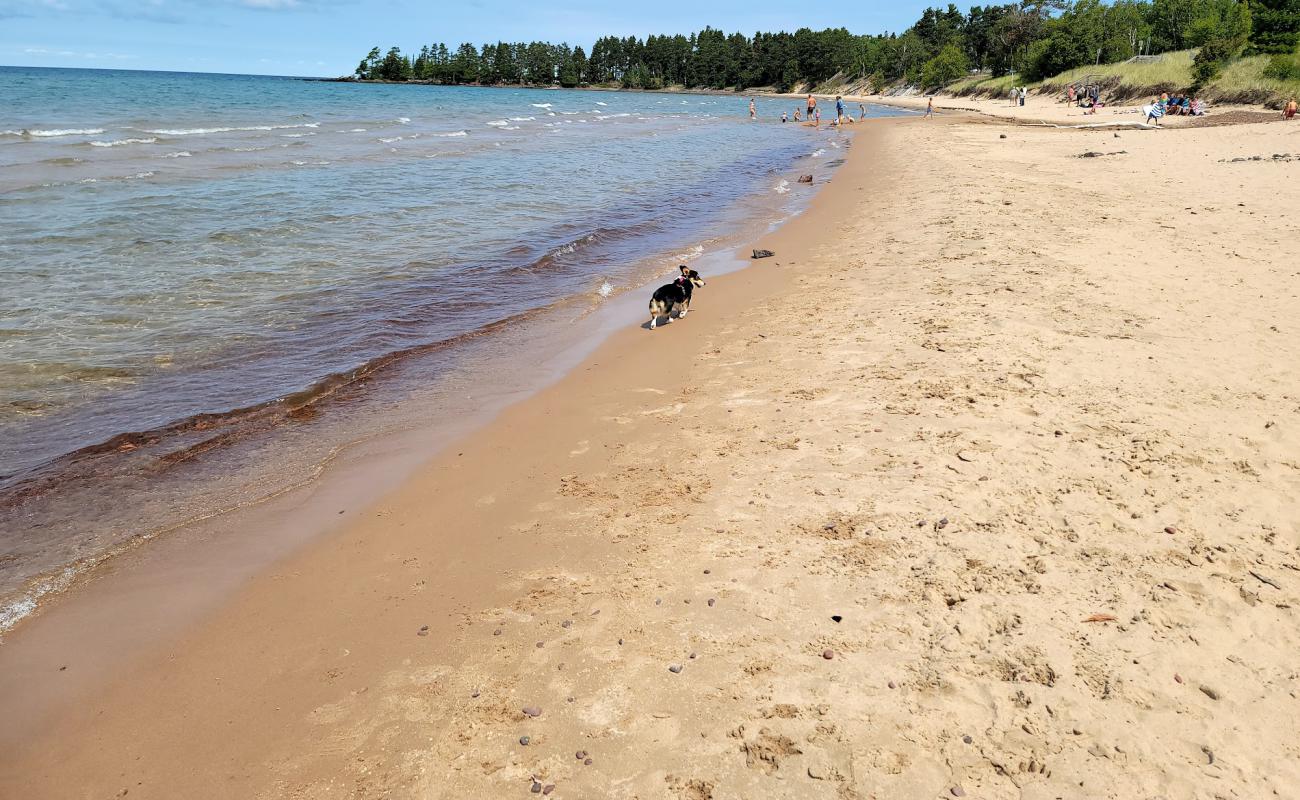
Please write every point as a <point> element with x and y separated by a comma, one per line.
<point>112,594</point>
<point>119,448</point>
<point>915,507</point>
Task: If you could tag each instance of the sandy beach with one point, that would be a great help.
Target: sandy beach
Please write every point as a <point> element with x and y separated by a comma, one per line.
<point>984,486</point>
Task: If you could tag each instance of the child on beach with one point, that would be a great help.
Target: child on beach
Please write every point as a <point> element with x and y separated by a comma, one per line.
<point>862,110</point>
<point>1289,111</point>
<point>753,112</point>
<point>839,109</point>
<point>817,117</point>
<point>784,116</point>
<point>929,108</point>
<point>796,115</point>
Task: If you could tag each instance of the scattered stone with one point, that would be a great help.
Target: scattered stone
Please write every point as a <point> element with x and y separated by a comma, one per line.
<point>475,693</point>
<point>1095,154</point>
<point>893,685</point>
<point>1178,678</point>
<point>836,618</point>
<point>1171,530</point>
<point>828,654</point>
<point>524,740</point>
<point>763,254</point>
<point>712,602</point>
<point>620,642</point>
<point>423,631</point>
<point>659,601</point>
<point>957,791</point>
<point>541,644</point>
<point>674,668</point>
<point>943,523</point>
<point>966,739</point>
<point>708,571</point>
<point>1208,752</point>
<point>1002,136</point>
<point>586,762</point>
<point>496,632</point>
<point>805,179</point>
<point>536,788</point>
<point>568,623</point>
<point>568,699</point>
<point>581,754</point>
<point>548,788</point>
<point>532,711</point>
<point>1209,692</point>
<point>816,772</point>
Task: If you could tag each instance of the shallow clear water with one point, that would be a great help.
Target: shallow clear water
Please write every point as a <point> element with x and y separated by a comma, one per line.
<point>191,259</point>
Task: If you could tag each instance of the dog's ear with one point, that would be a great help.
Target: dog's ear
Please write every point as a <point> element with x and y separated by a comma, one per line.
<point>686,270</point>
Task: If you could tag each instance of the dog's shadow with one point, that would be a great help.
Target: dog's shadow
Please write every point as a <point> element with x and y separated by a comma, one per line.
<point>645,326</point>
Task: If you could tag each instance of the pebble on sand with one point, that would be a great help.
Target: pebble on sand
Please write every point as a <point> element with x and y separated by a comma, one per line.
<point>524,740</point>
<point>1209,692</point>
<point>423,631</point>
<point>548,788</point>
<point>836,618</point>
<point>496,632</point>
<point>674,668</point>
<point>828,654</point>
<point>1171,530</point>
<point>957,791</point>
<point>586,762</point>
<point>581,754</point>
<point>712,602</point>
<point>536,788</point>
<point>532,711</point>
<point>967,739</point>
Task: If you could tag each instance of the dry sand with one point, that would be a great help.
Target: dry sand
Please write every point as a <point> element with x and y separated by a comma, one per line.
<point>869,497</point>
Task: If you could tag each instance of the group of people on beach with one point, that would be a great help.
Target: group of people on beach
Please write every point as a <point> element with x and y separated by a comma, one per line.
<point>813,114</point>
<point>1018,95</point>
<point>1176,106</point>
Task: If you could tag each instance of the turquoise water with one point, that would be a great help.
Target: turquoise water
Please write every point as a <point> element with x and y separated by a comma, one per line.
<point>190,258</point>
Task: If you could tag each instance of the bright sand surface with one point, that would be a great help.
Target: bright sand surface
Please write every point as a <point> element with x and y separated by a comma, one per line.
<point>984,486</point>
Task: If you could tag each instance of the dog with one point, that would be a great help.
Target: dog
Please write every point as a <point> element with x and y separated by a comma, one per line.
<point>674,295</point>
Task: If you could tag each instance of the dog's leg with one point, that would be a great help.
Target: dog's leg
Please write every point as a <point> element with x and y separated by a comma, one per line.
<point>654,320</point>
<point>684,308</point>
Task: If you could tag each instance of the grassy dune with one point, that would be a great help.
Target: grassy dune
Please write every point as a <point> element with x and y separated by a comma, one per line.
<point>1242,81</point>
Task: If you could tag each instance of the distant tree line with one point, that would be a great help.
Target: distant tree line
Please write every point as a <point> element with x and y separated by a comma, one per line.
<point>1034,38</point>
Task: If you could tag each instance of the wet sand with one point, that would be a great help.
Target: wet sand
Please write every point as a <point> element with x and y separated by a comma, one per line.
<point>983,486</point>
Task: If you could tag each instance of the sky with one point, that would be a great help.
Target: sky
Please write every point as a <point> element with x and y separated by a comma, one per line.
<point>329,37</point>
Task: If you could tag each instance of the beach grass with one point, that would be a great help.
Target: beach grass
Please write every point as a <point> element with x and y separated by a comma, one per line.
<point>1242,81</point>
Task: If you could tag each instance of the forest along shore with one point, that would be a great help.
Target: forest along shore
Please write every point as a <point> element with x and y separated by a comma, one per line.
<point>983,486</point>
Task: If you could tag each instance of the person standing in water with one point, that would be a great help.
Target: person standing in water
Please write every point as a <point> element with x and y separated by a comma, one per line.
<point>753,112</point>
<point>812,105</point>
<point>839,110</point>
<point>862,110</point>
<point>784,116</point>
<point>796,115</point>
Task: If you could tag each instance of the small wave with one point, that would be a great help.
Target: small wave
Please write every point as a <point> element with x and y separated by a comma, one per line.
<point>782,187</point>
<point>541,105</point>
<point>119,142</point>
<point>818,153</point>
<point>692,254</point>
<point>177,154</point>
<point>135,176</point>
<point>453,133</point>
<point>601,104</point>
<point>298,135</point>
<point>392,139</point>
<point>403,120</point>
<point>354,130</point>
<point>522,119</point>
<point>203,131</point>
<point>54,132</point>
<point>511,128</point>
<point>499,123</point>
<point>310,163</point>
<point>606,288</point>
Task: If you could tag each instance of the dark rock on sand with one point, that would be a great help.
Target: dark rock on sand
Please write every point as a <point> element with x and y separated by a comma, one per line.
<point>1209,692</point>
<point>581,754</point>
<point>536,788</point>
<point>586,762</point>
<point>674,668</point>
<point>836,618</point>
<point>966,739</point>
<point>423,631</point>
<point>532,711</point>
<point>548,788</point>
<point>496,632</point>
<point>828,654</point>
<point>763,254</point>
<point>712,602</point>
<point>957,791</point>
<point>524,740</point>
<point>1171,530</point>
<point>805,179</point>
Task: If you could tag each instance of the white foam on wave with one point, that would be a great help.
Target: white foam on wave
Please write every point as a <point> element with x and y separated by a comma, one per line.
<point>310,163</point>
<point>522,119</point>
<point>499,123</point>
<point>601,104</point>
<point>354,130</point>
<point>177,154</point>
<point>54,132</point>
<point>606,288</point>
<point>120,142</point>
<point>403,120</point>
<point>203,131</point>
<point>541,105</point>
<point>392,139</point>
<point>510,128</point>
<point>11,614</point>
<point>297,135</point>
<point>453,133</point>
<point>818,153</point>
<point>782,187</point>
<point>692,254</point>
<point>135,176</point>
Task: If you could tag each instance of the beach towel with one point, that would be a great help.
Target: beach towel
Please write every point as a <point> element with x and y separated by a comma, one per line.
<point>1156,110</point>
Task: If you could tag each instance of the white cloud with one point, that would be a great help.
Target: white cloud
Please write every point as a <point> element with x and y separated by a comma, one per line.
<point>88,56</point>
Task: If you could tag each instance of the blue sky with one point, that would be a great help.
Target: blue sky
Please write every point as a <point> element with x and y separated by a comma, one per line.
<point>328,37</point>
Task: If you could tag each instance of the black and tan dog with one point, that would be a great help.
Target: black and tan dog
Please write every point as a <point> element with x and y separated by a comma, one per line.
<point>674,295</point>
